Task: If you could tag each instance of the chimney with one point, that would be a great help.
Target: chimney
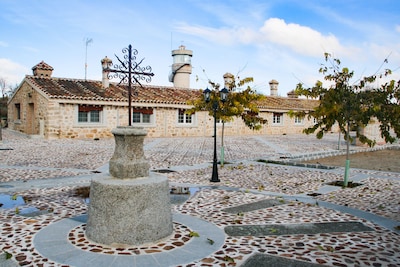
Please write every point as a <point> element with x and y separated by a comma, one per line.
<point>42,69</point>
<point>105,64</point>
<point>273,84</point>
<point>229,80</point>
<point>292,94</point>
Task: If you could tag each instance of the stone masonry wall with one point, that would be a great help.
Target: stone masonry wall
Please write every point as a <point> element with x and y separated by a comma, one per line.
<point>33,109</point>
<point>60,120</point>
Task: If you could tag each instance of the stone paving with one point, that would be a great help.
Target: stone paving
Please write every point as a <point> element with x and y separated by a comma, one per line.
<point>26,164</point>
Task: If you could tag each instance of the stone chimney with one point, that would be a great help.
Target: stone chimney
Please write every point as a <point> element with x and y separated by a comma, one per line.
<point>105,64</point>
<point>42,69</point>
<point>229,80</point>
<point>292,94</point>
<point>273,84</point>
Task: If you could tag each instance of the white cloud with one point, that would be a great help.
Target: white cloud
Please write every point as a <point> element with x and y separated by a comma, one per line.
<point>12,72</point>
<point>300,39</point>
<point>3,44</point>
<point>297,38</point>
<point>223,36</point>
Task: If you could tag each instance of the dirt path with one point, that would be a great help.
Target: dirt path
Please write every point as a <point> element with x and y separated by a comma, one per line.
<point>381,160</point>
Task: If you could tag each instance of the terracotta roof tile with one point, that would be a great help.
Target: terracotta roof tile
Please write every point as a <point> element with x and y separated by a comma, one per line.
<point>62,88</point>
<point>284,103</point>
<point>92,90</point>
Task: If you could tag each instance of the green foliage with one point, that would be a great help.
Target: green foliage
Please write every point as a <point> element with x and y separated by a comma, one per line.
<point>8,255</point>
<point>229,259</point>
<point>352,106</point>
<point>210,241</point>
<point>194,234</point>
<point>241,103</point>
<point>273,230</point>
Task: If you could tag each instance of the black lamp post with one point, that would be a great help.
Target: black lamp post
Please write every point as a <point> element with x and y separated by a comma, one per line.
<point>223,95</point>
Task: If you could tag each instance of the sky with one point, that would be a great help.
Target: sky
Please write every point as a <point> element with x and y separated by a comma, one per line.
<point>283,40</point>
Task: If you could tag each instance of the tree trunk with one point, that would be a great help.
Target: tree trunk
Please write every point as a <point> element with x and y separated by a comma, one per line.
<point>346,170</point>
<point>222,158</point>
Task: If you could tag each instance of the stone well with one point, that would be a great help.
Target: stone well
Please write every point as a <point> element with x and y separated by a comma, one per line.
<point>130,206</point>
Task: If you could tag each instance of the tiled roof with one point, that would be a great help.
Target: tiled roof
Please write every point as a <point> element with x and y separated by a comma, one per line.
<point>76,89</point>
<point>89,90</point>
<point>287,103</point>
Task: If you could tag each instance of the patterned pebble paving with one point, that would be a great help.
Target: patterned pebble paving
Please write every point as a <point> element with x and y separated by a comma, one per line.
<point>180,236</point>
<point>377,248</point>
<point>377,195</point>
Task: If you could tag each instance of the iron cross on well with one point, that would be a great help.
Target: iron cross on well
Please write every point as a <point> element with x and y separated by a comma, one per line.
<point>130,72</point>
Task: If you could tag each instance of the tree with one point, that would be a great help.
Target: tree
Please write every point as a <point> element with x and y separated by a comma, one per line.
<point>352,106</point>
<point>3,85</point>
<point>241,103</point>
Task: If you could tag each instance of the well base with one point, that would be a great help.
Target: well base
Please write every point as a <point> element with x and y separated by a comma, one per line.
<point>129,211</point>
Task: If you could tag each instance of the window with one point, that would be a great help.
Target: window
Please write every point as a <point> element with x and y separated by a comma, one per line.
<point>183,117</point>
<point>142,115</point>
<point>18,111</point>
<point>182,59</point>
<point>298,120</point>
<point>89,114</point>
<point>277,118</point>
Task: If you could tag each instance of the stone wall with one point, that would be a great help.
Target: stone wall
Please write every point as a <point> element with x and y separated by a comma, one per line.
<point>372,131</point>
<point>68,126</point>
<point>60,120</point>
<point>203,125</point>
<point>33,111</point>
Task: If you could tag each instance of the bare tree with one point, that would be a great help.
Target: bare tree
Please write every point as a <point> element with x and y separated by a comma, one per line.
<point>3,86</point>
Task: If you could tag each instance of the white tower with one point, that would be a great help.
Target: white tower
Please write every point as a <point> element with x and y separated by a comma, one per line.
<point>182,67</point>
<point>273,84</point>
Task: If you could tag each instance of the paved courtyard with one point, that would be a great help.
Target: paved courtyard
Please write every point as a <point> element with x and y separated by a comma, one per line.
<point>45,175</point>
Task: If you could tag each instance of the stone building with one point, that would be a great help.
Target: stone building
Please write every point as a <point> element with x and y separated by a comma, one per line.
<point>51,107</point>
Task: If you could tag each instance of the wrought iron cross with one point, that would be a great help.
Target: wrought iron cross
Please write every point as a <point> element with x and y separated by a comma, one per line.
<point>129,72</point>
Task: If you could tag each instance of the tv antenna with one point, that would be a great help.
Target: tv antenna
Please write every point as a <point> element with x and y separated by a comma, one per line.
<point>88,41</point>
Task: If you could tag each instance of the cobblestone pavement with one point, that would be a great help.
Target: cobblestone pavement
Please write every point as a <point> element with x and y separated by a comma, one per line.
<point>23,160</point>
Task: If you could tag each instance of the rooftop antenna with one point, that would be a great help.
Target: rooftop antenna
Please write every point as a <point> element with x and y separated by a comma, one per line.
<point>88,41</point>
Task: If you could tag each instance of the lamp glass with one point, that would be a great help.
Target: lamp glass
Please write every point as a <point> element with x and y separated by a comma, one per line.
<point>207,95</point>
<point>223,94</point>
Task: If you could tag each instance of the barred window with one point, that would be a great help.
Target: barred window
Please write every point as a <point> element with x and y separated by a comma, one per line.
<point>184,117</point>
<point>142,115</point>
<point>89,114</point>
<point>298,120</point>
<point>277,118</point>
<point>17,111</point>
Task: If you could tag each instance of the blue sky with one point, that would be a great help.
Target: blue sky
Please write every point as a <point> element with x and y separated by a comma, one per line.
<point>276,39</point>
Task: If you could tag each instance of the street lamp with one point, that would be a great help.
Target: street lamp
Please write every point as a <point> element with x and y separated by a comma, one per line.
<point>223,95</point>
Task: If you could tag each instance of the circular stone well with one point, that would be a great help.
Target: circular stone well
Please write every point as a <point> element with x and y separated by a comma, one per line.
<point>131,211</point>
<point>131,205</point>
